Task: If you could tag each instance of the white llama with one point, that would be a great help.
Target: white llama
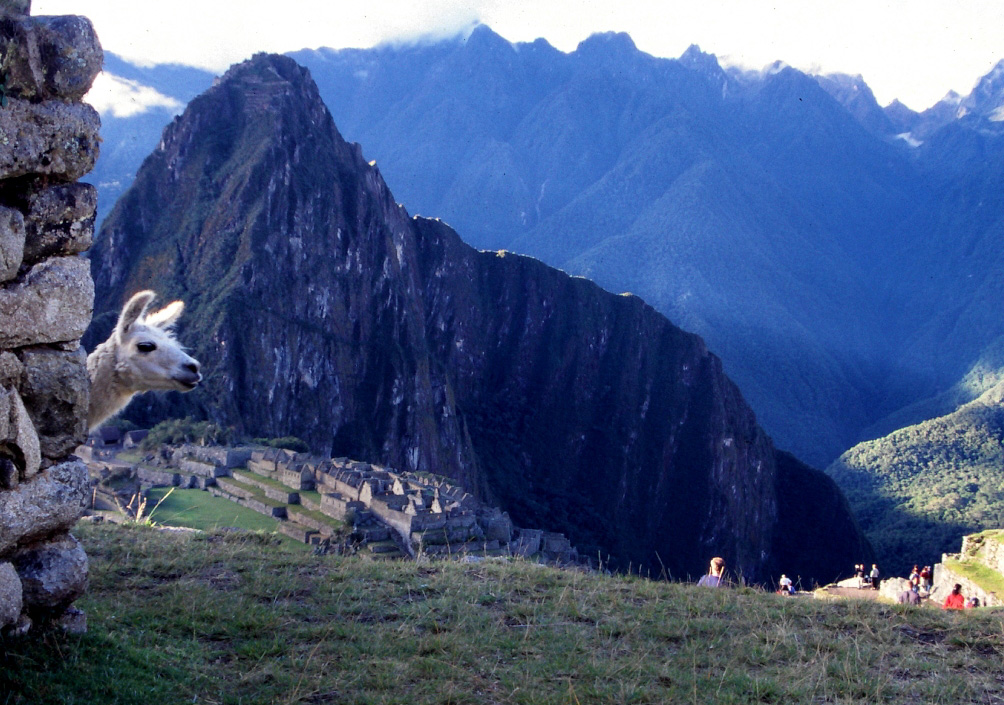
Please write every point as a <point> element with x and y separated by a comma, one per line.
<point>141,354</point>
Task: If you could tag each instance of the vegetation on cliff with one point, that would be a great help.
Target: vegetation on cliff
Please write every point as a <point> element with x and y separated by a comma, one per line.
<point>919,490</point>
<point>233,618</point>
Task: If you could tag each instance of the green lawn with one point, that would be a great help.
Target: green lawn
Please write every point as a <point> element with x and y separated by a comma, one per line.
<point>197,509</point>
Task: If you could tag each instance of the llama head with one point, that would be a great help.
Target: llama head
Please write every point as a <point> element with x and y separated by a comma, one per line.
<point>147,356</point>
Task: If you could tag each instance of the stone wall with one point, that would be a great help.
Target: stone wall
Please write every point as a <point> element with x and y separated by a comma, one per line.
<point>986,548</point>
<point>48,140</point>
<point>945,579</point>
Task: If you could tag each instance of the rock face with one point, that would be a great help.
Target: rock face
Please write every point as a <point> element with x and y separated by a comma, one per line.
<point>48,139</point>
<point>321,309</point>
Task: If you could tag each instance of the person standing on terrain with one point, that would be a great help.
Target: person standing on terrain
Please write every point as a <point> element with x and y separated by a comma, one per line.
<point>875,577</point>
<point>955,601</point>
<point>925,578</point>
<point>716,573</point>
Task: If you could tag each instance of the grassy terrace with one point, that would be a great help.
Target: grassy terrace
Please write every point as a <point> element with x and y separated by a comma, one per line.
<point>239,618</point>
<point>256,492</point>
<point>317,516</point>
<point>989,580</point>
<point>239,472</point>
<point>197,509</point>
<point>312,495</point>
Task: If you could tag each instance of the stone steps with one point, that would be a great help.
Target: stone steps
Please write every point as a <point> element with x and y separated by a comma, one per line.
<point>247,496</point>
<point>300,516</point>
<point>309,502</point>
<point>444,536</point>
<point>297,531</point>
<point>237,488</point>
<point>271,489</point>
<point>383,551</point>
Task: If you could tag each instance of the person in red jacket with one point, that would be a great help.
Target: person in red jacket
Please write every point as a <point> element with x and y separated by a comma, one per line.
<point>955,601</point>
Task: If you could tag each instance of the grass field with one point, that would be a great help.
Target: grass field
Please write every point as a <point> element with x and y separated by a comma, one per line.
<point>239,618</point>
<point>197,509</point>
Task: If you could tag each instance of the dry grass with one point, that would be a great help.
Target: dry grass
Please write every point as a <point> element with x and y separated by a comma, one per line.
<point>237,618</point>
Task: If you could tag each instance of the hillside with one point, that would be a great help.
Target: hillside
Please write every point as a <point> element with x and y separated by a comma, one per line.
<point>841,273</point>
<point>745,209</point>
<point>320,309</point>
<point>840,257</point>
<point>129,133</point>
<point>918,490</point>
<point>229,617</point>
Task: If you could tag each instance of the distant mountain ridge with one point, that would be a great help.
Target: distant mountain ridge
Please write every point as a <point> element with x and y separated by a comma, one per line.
<point>319,307</point>
<point>787,219</point>
<point>834,253</point>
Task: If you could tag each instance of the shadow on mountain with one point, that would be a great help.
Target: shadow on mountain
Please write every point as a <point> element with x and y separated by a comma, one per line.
<point>900,538</point>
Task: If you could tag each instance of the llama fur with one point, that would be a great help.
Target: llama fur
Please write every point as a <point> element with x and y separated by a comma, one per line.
<point>140,355</point>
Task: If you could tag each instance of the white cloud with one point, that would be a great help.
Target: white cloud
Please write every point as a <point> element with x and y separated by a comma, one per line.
<point>121,97</point>
<point>914,50</point>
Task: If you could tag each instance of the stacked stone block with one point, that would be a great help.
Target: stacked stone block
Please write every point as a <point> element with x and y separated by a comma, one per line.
<point>48,140</point>
<point>985,548</point>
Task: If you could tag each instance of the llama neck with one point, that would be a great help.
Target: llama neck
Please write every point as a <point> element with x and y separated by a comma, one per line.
<point>108,392</point>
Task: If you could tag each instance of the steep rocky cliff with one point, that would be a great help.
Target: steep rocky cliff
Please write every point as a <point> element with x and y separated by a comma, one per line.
<point>320,308</point>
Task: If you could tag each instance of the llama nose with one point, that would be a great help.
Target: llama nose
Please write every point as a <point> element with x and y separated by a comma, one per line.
<point>192,367</point>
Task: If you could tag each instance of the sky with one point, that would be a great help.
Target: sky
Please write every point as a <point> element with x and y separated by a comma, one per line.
<point>915,50</point>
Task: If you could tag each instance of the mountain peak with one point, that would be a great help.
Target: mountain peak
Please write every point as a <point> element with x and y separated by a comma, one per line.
<point>987,98</point>
<point>694,58</point>
<point>607,44</point>
<point>484,37</point>
<point>856,96</point>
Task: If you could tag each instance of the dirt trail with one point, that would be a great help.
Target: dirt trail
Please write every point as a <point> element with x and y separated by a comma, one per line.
<point>850,592</point>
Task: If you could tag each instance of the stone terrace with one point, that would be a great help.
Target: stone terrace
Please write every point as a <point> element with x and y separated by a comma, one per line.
<point>391,514</point>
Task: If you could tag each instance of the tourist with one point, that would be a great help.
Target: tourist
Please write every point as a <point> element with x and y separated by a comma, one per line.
<point>926,578</point>
<point>972,602</point>
<point>859,573</point>
<point>915,575</point>
<point>955,601</point>
<point>716,574</point>
<point>875,577</point>
<point>908,597</point>
<point>786,586</point>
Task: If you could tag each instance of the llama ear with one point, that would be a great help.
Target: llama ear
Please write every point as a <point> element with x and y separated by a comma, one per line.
<point>133,311</point>
<point>165,317</point>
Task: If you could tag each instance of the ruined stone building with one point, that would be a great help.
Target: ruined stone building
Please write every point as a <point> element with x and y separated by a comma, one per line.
<point>395,514</point>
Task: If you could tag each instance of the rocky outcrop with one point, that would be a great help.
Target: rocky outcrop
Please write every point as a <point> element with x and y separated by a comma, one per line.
<point>985,549</point>
<point>48,139</point>
<point>321,309</point>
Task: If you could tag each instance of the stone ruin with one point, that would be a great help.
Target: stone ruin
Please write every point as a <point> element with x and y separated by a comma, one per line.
<point>48,140</point>
<point>394,514</point>
<point>985,549</point>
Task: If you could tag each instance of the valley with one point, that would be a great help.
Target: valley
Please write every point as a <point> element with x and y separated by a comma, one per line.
<point>843,272</point>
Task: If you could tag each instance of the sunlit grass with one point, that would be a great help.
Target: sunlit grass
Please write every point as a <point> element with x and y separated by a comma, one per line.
<point>239,618</point>
<point>197,509</point>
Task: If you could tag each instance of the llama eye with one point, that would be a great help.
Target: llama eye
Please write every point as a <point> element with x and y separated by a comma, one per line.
<point>146,347</point>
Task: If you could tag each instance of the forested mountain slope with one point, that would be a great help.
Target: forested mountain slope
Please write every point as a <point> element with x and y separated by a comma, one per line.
<point>920,489</point>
